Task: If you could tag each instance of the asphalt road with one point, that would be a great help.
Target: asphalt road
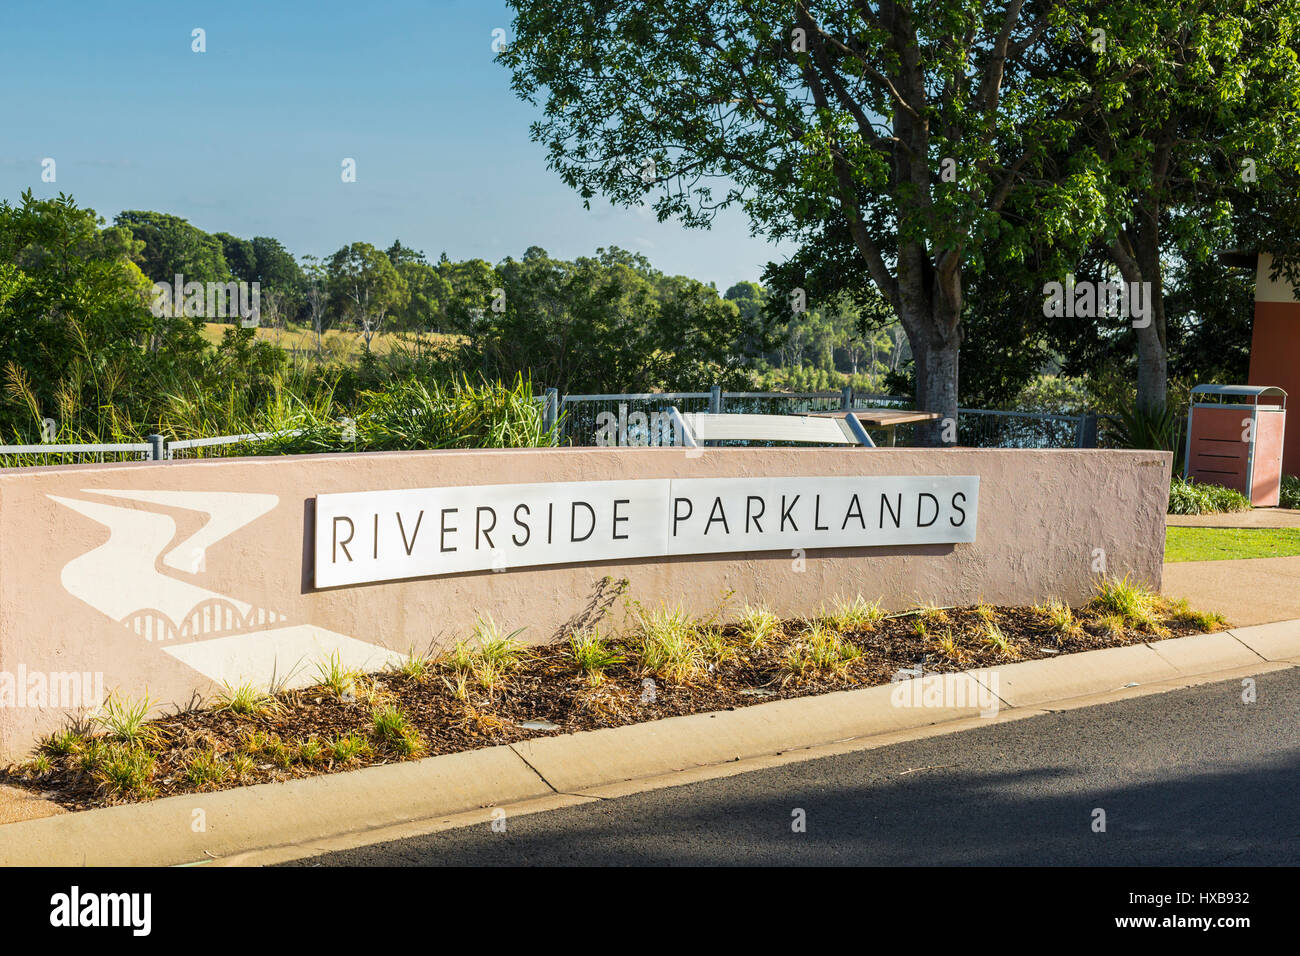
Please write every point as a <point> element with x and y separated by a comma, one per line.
<point>1192,777</point>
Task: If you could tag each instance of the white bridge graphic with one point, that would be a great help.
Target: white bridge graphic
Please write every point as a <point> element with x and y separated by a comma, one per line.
<point>221,636</point>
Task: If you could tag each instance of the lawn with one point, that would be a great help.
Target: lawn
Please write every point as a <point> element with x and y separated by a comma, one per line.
<point>340,341</point>
<point>1219,544</point>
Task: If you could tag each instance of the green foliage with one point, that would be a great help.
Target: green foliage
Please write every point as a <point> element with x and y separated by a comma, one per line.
<point>396,730</point>
<point>821,652</point>
<point>171,247</point>
<point>1290,494</point>
<point>415,414</point>
<point>1159,430</point>
<point>206,768</point>
<point>593,655</point>
<point>125,772</point>
<point>1133,603</point>
<point>1187,497</point>
<point>246,699</point>
<point>124,719</point>
<point>603,323</point>
<point>363,288</point>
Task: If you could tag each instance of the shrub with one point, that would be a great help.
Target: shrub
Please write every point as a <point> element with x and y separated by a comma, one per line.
<point>1290,497</point>
<point>1187,497</point>
<point>1132,603</point>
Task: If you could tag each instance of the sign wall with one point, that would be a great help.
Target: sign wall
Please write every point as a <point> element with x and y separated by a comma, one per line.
<point>391,535</point>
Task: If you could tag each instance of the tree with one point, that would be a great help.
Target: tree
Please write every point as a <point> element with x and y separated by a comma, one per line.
<point>908,129</point>
<point>315,297</point>
<point>173,247</point>
<point>1200,122</point>
<point>240,256</point>
<point>608,322</point>
<point>70,296</point>
<point>276,270</point>
<point>757,337</point>
<point>364,286</point>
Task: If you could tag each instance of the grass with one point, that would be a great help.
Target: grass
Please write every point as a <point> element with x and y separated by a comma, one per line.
<point>125,772</point>
<point>996,639</point>
<point>758,626</point>
<point>346,747</point>
<point>206,768</point>
<point>271,747</point>
<point>325,410</point>
<point>931,615</point>
<point>396,730</point>
<point>1182,613</point>
<point>501,650</point>
<point>311,751</point>
<point>63,743</point>
<point>668,644</point>
<point>1060,617</point>
<point>853,615</point>
<point>488,656</point>
<point>1196,498</point>
<point>91,756</point>
<point>124,719</point>
<point>337,342</point>
<point>415,666</point>
<point>246,699</point>
<point>593,655</point>
<point>821,652</point>
<point>1222,544</point>
<point>949,648</point>
<point>1134,604</point>
<point>342,681</point>
<point>1112,624</point>
<point>704,661</point>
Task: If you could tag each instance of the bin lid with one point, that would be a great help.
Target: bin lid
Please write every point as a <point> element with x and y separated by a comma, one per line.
<point>1238,390</point>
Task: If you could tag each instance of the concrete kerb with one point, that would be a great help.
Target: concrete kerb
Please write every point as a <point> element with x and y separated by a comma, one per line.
<point>300,818</point>
<point>1279,641</point>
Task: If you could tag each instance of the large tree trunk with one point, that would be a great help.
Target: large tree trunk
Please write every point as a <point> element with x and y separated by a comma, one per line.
<point>1153,359</point>
<point>935,349</point>
<point>929,306</point>
<point>1137,254</point>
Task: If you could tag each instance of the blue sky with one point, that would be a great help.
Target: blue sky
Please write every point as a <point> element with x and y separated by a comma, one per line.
<point>249,137</point>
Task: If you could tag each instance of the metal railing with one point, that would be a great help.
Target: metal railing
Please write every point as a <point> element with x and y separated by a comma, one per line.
<point>155,448</point>
<point>633,418</point>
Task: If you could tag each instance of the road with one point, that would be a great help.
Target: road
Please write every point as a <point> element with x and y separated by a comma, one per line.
<point>1191,777</point>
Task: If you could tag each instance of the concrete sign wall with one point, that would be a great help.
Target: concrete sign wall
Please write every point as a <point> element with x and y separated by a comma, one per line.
<point>174,577</point>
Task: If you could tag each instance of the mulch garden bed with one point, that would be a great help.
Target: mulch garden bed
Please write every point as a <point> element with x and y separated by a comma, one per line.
<point>449,704</point>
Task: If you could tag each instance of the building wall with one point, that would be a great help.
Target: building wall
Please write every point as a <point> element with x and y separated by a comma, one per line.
<point>172,577</point>
<point>1275,348</point>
